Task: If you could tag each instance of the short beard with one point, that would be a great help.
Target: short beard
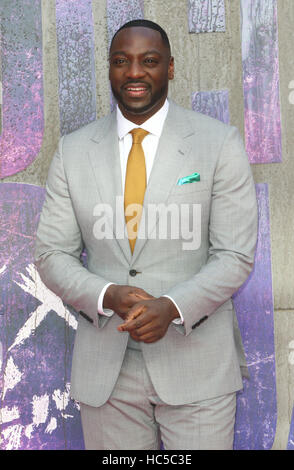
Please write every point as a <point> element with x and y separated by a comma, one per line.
<point>138,111</point>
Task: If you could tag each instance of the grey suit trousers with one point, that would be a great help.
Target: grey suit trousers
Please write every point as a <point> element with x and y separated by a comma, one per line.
<point>134,417</point>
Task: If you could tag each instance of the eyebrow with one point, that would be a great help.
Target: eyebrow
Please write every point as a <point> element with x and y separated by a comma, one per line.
<point>151,51</point>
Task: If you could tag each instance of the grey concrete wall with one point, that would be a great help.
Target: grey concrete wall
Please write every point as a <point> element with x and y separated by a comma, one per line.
<point>204,62</point>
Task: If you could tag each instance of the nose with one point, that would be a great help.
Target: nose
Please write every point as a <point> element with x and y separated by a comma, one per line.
<point>135,70</point>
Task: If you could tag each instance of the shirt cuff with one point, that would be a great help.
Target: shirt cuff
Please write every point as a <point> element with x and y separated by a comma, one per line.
<point>177,321</point>
<point>107,312</point>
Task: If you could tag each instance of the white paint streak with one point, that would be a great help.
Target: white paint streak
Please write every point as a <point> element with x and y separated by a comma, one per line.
<point>77,405</point>
<point>51,426</point>
<point>40,409</point>
<point>65,416</point>
<point>9,414</point>
<point>29,431</point>
<point>12,434</point>
<point>61,398</point>
<point>4,266</point>
<point>12,376</point>
<point>263,360</point>
<point>35,287</point>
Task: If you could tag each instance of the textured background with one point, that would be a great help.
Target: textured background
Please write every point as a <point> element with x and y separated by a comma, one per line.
<point>204,61</point>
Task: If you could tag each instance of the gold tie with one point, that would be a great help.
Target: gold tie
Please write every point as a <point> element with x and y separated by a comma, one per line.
<point>135,184</point>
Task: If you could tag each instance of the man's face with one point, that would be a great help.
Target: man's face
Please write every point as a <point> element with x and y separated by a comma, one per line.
<point>140,67</point>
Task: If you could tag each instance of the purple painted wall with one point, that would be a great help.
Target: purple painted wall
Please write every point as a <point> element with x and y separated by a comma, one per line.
<point>121,11</point>
<point>256,404</point>
<point>22,80</point>
<point>206,16</point>
<point>36,336</point>
<point>212,103</point>
<point>290,445</point>
<point>76,65</point>
<point>261,80</point>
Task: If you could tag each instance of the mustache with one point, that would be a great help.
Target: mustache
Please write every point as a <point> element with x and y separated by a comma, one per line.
<point>136,82</point>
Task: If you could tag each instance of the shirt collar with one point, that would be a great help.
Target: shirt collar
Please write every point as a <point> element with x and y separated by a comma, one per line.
<point>153,125</point>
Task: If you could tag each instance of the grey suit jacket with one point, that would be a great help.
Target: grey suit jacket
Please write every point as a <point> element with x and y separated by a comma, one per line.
<point>202,358</point>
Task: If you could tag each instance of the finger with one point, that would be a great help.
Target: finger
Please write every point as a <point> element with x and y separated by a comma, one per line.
<point>146,329</point>
<point>129,325</point>
<point>142,297</point>
<point>134,312</point>
<point>134,323</point>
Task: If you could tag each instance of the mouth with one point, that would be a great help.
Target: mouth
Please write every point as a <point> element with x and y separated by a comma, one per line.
<point>136,90</point>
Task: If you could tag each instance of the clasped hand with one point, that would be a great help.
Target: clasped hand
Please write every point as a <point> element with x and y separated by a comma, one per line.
<point>145,317</point>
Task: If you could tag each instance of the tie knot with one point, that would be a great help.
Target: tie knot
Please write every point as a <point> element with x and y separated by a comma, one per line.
<point>138,135</point>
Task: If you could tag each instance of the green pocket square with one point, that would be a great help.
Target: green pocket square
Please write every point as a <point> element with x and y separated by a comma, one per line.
<point>189,179</point>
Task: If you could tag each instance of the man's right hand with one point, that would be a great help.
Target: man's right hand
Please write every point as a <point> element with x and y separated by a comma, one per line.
<point>121,299</point>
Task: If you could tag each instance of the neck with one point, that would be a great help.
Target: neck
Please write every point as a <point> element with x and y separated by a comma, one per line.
<point>138,118</point>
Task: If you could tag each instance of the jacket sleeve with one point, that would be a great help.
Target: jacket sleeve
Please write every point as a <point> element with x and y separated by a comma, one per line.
<point>59,246</point>
<point>232,237</point>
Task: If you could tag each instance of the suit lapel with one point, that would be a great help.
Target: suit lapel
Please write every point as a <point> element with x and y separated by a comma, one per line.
<point>171,153</point>
<point>105,161</point>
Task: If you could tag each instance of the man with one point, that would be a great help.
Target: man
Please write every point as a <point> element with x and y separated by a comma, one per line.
<point>157,354</point>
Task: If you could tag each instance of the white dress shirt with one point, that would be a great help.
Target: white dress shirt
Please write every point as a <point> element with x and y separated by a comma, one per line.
<point>154,126</point>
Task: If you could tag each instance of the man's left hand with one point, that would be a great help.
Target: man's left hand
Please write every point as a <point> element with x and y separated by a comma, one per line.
<point>148,320</point>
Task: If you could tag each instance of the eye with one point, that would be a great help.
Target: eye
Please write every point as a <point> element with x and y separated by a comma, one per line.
<point>150,61</point>
<point>119,61</point>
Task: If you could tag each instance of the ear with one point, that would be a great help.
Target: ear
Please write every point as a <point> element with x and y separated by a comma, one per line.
<point>171,69</point>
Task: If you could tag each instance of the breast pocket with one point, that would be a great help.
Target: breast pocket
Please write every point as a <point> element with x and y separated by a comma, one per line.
<point>190,205</point>
<point>190,193</point>
<point>196,186</point>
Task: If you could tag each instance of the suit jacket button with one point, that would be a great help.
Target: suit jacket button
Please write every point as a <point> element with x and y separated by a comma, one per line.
<point>133,272</point>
